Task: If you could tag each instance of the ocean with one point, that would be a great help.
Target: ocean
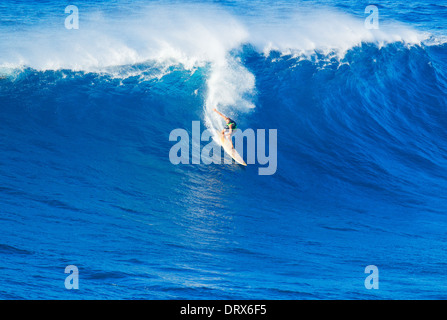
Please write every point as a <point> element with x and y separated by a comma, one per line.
<point>90,94</point>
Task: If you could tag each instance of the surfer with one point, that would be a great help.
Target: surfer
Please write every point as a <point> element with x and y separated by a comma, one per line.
<point>229,128</point>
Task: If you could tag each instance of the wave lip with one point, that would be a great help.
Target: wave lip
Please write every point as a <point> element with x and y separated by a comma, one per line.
<point>326,30</point>
<point>195,35</point>
<point>190,34</point>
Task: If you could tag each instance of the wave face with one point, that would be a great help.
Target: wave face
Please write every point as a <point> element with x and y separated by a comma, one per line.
<point>85,176</point>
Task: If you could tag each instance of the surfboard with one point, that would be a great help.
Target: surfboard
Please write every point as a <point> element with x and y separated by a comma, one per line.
<point>231,151</point>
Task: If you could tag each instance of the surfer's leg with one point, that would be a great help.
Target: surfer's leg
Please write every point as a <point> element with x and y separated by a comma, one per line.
<point>231,140</point>
<point>227,135</point>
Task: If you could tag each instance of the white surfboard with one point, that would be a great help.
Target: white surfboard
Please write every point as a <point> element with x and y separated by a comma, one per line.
<point>231,151</point>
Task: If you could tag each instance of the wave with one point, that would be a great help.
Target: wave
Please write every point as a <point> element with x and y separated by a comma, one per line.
<point>194,35</point>
<point>366,107</point>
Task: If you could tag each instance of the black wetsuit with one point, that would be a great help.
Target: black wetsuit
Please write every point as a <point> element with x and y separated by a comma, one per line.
<point>232,124</point>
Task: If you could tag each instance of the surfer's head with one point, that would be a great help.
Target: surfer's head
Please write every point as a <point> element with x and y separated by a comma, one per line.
<point>227,120</point>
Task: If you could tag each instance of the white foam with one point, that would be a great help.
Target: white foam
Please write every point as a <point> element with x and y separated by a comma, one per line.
<point>191,36</point>
<point>304,31</point>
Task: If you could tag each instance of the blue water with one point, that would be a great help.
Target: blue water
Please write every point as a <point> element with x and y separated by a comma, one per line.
<point>86,179</point>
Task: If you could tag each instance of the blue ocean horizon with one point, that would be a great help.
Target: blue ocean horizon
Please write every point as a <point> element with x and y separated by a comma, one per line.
<point>86,111</point>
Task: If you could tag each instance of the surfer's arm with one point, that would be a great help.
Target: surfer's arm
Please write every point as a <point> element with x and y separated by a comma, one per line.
<point>220,114</point>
